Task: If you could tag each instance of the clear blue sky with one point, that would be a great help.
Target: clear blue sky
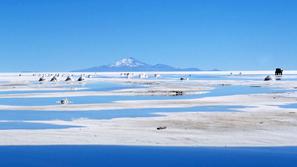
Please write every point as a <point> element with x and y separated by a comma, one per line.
<point>64,35</point>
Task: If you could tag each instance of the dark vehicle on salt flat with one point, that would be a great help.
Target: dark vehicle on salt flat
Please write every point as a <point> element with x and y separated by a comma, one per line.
<point>278,73</point>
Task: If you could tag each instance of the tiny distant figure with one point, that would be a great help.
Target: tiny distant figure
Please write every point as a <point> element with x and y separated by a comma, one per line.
<point>157,75</point>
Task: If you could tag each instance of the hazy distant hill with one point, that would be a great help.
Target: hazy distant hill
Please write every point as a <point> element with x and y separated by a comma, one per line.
<point>131,64</point>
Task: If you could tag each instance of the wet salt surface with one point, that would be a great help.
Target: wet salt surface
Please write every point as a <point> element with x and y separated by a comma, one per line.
<point>99,86</point>
<point>109,114</point>
<point>93,155</point>
<point>255,77</point>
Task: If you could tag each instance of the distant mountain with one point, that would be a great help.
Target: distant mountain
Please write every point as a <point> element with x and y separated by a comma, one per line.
<point>132,64</point>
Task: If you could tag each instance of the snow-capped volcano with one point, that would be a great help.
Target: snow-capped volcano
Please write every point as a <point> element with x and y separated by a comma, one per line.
<point>132,64</point>
<point>128,62</point>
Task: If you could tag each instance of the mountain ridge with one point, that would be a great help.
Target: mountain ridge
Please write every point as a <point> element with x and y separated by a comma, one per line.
<point>132,64</point>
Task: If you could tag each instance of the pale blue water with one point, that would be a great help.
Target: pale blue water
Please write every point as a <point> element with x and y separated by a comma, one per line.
<point>219,91</point>
<point>115,156</point>
<point>17,125</point>
<point>105,114</point>
<point>293,106</point>
<point>31,91</point>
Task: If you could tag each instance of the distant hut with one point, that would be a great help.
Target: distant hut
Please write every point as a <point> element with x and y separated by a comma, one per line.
<point>80,79</point>
<point>41,79</point>
<point>54,79</point>
<point>68,79</point>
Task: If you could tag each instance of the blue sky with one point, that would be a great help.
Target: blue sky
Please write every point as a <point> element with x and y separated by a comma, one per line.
<point>63,35</point>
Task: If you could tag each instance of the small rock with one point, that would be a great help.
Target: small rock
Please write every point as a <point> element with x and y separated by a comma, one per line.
<point>161,127</point>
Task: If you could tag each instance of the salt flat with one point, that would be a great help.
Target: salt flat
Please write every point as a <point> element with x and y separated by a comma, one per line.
<point>260,121</point>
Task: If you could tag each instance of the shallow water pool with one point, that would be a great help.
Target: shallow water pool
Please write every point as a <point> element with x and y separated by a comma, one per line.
<point>19,125</point>
<point>114,156</point>
<point>219,91</point>
<point>105,114</point>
